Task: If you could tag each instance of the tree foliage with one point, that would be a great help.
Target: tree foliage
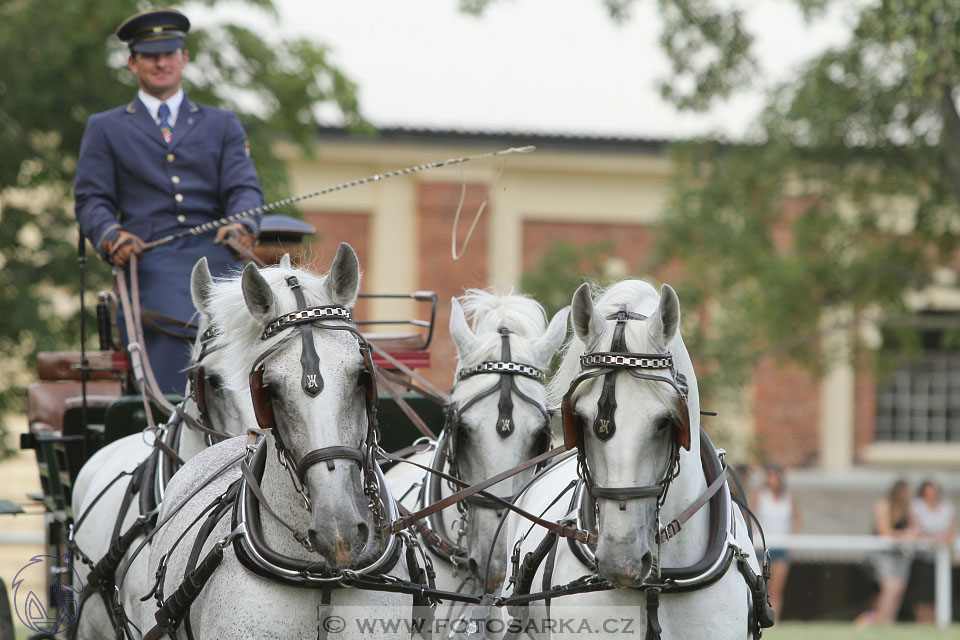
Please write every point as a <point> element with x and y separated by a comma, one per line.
<point>847,201</point>
<point>62,65</point>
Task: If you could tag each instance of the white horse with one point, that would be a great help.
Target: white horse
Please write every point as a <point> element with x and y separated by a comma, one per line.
<point>497,419</point>
<point>628,415</point>
<point>304,518</point>
<point>209,408</point>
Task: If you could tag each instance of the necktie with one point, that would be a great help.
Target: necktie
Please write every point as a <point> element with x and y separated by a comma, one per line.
<point>165,128</point>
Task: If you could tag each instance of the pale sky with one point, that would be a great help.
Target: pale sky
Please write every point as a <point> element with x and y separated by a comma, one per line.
<point>547,66</point>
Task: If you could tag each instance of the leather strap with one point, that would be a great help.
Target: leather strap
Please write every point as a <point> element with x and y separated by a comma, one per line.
<point>566,531</point>
<point>677,523</point>
<point>428,389</point>
<point>405,408</point>
<point>328,454</point>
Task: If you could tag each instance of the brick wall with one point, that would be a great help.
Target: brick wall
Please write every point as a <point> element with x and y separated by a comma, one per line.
<point>628,242</point>
<point>333,228</point>
<point>787,414</point>
<point>436,206</point>
<point>864,412</point>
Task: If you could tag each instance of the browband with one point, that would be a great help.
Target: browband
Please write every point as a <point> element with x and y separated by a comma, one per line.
<point>632,360</point>
<point>303,316</point>
<point>505,368</point>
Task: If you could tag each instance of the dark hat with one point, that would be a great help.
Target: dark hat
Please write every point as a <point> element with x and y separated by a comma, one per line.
<point>284,229</point>
<point>156,31</point>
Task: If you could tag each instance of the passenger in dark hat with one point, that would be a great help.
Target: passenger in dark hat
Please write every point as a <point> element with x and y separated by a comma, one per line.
<point>159,165</point>
<point>280,234</point>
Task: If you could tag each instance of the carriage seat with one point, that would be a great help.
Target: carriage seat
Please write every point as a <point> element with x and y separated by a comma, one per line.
<point>60,386</point>
<point>396,341</point>
<point>62,365</point>
<point>407,348</point>
<point>48,399</point>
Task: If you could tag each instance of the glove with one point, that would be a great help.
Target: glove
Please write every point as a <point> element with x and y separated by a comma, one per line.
<point>237,231</point>
<point>121,246</point>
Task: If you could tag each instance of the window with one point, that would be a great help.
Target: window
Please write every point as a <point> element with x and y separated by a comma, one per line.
<point>920,400</point>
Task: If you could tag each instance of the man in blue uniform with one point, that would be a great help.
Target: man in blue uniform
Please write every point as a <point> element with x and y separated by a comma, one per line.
<point>156,166</point>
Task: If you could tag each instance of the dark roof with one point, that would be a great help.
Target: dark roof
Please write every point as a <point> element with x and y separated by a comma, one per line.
<point>543,141</point>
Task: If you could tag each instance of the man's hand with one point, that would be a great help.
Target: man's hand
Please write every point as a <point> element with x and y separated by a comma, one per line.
<point>119,249</point>
<point>237,231</point>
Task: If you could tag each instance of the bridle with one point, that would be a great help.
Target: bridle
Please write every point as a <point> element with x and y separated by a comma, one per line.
<point>305,318</point>
<point>446,453</point>
<point>608,364</point>
<point>199,379</point>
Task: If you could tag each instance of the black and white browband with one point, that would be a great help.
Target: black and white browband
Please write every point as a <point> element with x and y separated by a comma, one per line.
<point>304,316</point>
<point>503,367</point>
<point>631,360</point>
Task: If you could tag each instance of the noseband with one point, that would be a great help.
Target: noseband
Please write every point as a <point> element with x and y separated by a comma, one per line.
<point>608,364</point>
<point>305,318</point>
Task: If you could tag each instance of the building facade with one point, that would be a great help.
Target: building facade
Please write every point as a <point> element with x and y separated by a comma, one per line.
<point>584,190</point>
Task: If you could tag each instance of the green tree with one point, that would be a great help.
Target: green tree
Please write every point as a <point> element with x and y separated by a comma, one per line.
<point>846,202</point>
<point>62,64</point>
<point>845,198</point>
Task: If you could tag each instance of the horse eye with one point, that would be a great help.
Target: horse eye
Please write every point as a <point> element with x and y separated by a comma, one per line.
<point>215,382</point>
<point>665,422</point>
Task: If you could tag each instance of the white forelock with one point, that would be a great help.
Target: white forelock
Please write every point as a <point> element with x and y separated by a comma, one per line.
<point>240,332</point>
<point>489,311</point>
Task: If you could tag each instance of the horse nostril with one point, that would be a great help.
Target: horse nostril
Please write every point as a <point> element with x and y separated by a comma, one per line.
<point>646,563</point>
<point>474,567</point>
<point>363,532</point>
<point>312,537</point>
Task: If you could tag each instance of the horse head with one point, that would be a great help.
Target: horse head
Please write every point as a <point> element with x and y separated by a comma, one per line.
<point>498,417</point>
<point>218,406</point>
<point>293,344</point>
<point>625,406</point>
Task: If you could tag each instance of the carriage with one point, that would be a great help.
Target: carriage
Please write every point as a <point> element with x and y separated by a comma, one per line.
<point>83,401</point>
<point>86,402</point>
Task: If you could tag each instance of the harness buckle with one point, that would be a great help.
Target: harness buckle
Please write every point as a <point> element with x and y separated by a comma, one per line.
<point>669,531</point>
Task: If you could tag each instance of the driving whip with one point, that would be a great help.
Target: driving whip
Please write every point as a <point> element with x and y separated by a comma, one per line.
<point>215,224</point>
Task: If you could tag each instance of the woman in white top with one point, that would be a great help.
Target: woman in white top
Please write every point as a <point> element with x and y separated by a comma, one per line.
<point>777,512</point>
<point>934,519</point>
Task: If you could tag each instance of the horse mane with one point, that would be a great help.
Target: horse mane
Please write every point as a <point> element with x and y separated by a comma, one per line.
<point>640,297</point>
<point>240,332</point>
<point>488,311</point>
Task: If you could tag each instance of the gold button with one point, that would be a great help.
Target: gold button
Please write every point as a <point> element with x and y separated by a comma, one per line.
<point>171,157</point>
<point>181,218</point>
<point>176,179</point>
<point>178,197</point>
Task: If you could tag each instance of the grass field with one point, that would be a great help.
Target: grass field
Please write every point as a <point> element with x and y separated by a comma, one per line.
<point>846,631</point>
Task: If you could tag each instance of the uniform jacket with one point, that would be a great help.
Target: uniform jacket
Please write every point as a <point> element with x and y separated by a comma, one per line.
<point>127,170</point>
<point>129,177</point>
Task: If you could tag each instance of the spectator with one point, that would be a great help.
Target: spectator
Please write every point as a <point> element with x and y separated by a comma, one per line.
<point>935,523</point>
<point>891,569</point>
<point>776,509</point>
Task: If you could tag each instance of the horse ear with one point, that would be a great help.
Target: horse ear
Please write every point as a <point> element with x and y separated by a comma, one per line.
<point>343,281</point>
<point>257,294</point>
<point>200,281</point>
<point>587,321</point>
<point>285,261</point>
<point>666,320</point>
<point>545,347</point>
<point>463,337</point>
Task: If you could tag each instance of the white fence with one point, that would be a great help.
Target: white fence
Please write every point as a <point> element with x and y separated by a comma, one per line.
<point>844,547</point>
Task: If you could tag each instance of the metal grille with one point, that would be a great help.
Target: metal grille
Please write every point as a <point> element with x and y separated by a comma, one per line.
<point>921,401</point>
